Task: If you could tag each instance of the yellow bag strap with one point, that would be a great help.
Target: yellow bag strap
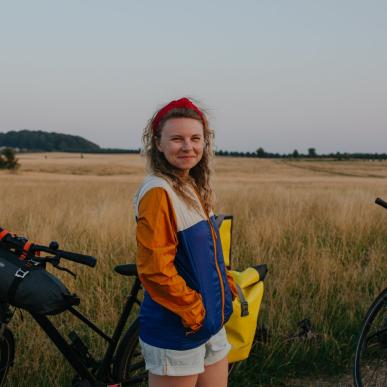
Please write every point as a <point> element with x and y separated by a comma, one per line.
<point>243,302</point>
<point>219,219</point>
<point>246,278</point>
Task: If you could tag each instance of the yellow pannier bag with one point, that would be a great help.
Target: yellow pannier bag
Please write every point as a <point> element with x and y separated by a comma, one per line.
<point>242,324</point>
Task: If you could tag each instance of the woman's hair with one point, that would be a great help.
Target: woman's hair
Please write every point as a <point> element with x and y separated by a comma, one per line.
<point>199,175</point>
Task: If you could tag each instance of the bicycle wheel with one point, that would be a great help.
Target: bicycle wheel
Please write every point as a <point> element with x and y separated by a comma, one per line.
<point>129,364</point>
<point>371,351</point>
<point>7,351</point>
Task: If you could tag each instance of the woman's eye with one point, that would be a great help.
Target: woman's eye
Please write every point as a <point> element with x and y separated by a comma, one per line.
<point>180,139</point>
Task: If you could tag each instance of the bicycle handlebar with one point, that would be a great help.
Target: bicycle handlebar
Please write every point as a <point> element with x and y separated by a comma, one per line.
<point>19,243</point>
<point>381,202</point>
<point>75,257</point>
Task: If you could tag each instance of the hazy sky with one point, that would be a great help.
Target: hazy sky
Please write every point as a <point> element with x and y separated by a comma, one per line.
<point>281,75</point>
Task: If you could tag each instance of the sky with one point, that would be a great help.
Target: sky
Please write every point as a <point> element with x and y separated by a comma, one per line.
<point>281,75</point>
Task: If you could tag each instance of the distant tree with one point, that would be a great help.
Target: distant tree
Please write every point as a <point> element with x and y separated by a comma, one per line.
<point>8,159</point>
<point>295,153</point>
<point>261,152</point>
<point>312,152</point>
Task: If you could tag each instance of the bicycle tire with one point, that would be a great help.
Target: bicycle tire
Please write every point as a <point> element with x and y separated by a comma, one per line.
<point>7,352</point>
<point>370,367</point>
<point>129,364</point>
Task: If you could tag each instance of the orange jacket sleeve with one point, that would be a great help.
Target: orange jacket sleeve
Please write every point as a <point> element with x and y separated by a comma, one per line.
<point>231,284</point>
<point>156,243</point>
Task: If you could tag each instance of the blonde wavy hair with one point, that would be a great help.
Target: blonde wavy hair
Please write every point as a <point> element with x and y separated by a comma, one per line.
<point>199,176</point>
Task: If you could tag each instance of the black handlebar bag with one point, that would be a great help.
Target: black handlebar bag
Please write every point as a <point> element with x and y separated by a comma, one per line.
<point>27,285</point>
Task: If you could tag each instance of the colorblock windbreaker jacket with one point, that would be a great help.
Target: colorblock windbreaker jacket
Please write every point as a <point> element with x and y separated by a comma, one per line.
<point>188,292</point>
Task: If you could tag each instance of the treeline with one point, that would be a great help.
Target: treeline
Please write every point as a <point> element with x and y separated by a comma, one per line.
<point>312,154</point>
<point>40,141</point>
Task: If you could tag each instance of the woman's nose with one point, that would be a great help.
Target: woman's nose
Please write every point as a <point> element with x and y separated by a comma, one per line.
<point>187,144</point>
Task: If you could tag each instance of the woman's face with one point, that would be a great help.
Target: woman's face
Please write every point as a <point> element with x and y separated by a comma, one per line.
<point>182,142</point>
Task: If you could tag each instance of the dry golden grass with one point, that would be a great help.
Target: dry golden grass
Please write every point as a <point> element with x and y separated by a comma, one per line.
<point>313,223</point>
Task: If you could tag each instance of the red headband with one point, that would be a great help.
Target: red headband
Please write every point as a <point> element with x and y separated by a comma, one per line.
<point>180,103</point>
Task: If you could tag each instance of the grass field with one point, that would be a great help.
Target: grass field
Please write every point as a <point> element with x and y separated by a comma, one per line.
<point>312,222</point>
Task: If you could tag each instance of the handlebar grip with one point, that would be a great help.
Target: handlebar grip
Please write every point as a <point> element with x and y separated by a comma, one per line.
<point>79,258</point>
<point>75,257</point>
<point>381,202</point>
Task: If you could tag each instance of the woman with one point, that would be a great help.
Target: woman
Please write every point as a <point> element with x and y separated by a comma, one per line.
<point>188,293</point>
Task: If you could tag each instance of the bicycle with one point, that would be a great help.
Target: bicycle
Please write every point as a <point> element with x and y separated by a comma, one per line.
<point>370,365</point>
<point>122,364</point>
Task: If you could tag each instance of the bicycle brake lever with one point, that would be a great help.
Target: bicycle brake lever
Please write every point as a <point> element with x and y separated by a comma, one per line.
<point>56,265</point>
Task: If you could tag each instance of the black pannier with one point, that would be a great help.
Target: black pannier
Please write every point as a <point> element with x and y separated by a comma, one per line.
<point>27,285</point>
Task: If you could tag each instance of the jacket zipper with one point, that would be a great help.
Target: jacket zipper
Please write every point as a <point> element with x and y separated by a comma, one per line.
<point>214,238</point>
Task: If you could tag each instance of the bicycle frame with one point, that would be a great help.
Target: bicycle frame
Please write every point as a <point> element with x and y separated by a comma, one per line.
<point>102,373</point>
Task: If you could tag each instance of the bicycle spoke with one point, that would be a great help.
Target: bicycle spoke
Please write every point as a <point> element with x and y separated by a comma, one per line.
<point>137,353</point>
<point>136,366</point>
<point>374,375</point>
<point>381,337</point>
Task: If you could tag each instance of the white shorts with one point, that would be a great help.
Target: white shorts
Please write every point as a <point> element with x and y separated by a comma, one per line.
<point>161,361</point>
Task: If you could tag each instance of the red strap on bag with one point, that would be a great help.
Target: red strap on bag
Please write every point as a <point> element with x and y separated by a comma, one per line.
<point>3,234</point>
<point>26,249</point>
